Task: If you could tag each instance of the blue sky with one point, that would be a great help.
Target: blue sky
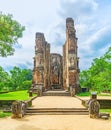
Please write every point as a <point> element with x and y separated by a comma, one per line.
<point>92,22</point>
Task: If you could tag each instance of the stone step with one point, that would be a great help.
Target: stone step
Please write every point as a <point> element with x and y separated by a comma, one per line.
<point>56,93</point>
<point>57,111</point>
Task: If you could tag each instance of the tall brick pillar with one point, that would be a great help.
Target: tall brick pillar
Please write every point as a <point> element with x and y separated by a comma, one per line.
<point>41,68</point>
<point>70,58</point>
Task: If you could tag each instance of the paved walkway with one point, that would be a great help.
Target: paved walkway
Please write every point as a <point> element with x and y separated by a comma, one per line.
<point>55,122</point>
<point>57,102</point>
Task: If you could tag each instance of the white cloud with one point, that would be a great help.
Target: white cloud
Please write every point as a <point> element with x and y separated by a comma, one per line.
<point>91,18</point>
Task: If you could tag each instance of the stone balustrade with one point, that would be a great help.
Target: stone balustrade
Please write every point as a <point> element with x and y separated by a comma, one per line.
<point>19,107</point>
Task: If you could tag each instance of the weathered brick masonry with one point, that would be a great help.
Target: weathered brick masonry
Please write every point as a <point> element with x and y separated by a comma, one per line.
<point>53,71</point>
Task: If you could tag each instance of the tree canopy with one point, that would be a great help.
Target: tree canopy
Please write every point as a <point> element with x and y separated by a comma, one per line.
<point>16,79</point>
<point>10,31</point>
<point>98,76</point>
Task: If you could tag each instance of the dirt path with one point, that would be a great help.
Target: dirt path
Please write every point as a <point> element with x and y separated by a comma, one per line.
<point>55,122</point>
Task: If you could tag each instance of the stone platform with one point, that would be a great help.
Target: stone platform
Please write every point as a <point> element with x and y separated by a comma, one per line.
<point>56,93</point>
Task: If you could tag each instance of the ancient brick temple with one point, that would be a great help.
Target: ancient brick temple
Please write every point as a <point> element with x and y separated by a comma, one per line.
<point>53,71</point>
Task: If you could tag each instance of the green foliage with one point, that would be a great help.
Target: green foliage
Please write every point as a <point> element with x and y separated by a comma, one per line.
<point>16,79</point>
<point>19,76</point>
<point>2,114</point>
<point>10,31</point>
<point>17,95</point>
<point>98,76</point>
<point>3,79</point>
<point>26,85</point>
<point>105,94</point>
<point>85,81</point>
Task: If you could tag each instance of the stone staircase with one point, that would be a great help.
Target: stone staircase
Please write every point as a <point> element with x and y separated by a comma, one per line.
<point>57,111</point>
<point>56,93</point>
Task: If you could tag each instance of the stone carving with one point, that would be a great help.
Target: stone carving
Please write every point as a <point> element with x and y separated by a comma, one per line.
<point>18,109</point>
<point>56,70</point>
<point>94,107</point>
<point>72,61</point>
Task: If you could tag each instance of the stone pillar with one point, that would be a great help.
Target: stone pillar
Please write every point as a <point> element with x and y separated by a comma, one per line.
<point>64,67</point>
<point>30,93</point>
<point>47,66</point>
<point>41,63</point>
<point>70,58</point>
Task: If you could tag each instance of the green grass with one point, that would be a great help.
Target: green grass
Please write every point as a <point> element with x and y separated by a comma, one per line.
<point>89,93</point>
<point>2,114</point>
<point>84,94</point>
<point>104,94</point>
<point>105,110</point>
<point>17,95</point>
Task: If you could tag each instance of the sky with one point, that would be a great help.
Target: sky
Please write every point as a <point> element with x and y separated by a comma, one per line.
<point>92,19</point>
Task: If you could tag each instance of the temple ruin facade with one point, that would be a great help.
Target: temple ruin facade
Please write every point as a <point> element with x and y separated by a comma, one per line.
<point>54,71</point>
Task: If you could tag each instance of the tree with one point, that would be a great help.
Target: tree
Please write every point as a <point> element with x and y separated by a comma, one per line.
<point>10,31</point>
<point>18,78</point>
<point>4,76</point>
<point>98,76</point>
<point>26,85</point>
<point>27,74</point>
<point>85,79</point>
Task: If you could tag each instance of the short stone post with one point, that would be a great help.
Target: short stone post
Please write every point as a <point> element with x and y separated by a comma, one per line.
<point>18,109</point>
<point>30,93</point>
<point>72,91</point>
<point>94,106</point>
<point>39,91</point>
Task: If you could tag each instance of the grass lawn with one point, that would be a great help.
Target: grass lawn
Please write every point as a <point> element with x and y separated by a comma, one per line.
<point>17,95</point>
<point>105,111</point>
<point>89,93</point>
<point>2,114</point>
<point>84,94</point>
<point>104,94</point>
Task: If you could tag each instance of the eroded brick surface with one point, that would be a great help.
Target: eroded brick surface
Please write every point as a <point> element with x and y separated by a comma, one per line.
<point>53,71</point>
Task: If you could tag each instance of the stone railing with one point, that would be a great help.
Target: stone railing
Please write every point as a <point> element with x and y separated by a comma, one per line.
<point>19,107</point>
<point>94,105</point>
<point>6,104</point>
